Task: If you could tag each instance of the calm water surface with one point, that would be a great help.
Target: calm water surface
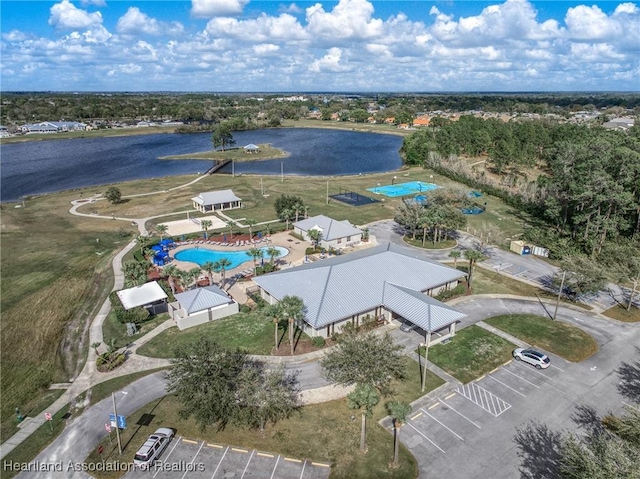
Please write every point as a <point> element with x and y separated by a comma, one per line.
<point>46,166</point>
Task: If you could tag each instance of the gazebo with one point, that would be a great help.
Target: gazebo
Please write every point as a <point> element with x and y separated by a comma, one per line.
<point>251,148</point>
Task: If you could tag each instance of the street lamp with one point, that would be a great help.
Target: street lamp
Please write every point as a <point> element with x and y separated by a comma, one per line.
<point>394,180</point>
<point>376,190</point>
<point>115,414</point>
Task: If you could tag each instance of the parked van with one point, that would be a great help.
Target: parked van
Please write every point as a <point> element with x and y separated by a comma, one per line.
<point>153,447</point>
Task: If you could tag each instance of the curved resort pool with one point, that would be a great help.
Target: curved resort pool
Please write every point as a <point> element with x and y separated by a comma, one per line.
<point>202,255</point>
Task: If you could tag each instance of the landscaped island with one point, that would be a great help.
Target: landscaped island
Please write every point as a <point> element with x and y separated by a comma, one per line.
<point>262,152</point>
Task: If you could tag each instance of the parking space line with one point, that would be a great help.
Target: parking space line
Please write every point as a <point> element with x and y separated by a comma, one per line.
<point>432,406</point>
<point>165,459</point>
<point>194,458</point>
<point>556,367</point>
<point>416,416</point>
<point>457,412</point>
<point>444,426</point>
<point>507,386</point>
<point>518,376</point>
<point>275,467</point>
<point>419,432</point>
<point>247,466</point>
<point>450,396</point>
<point>535,370</point>
<point>303,467</point>
<point>220,461</point>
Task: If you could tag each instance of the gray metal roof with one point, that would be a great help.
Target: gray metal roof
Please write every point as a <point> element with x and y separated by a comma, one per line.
<point>331,229</point>
<point>201,299</point>
<point>339,287</point>
<point>216,197</point>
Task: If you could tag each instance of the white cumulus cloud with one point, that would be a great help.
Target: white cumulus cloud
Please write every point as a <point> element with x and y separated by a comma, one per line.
<point>331,62</point>
<point>349,19</point>
<point>65,15</point>
<point>259,30</point>
<point>212,8</point>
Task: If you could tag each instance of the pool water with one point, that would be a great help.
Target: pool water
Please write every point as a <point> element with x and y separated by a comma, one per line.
<point>202,255</point>
<point>404,189</point>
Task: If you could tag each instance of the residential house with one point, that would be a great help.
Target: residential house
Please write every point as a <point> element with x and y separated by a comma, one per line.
<point>385,282</point>
<point>335,234</point>
<point>201,305</point>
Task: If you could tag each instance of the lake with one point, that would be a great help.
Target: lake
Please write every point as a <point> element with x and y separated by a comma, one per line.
<point>37,167</point>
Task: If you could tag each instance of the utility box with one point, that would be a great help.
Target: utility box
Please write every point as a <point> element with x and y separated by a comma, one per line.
<point>517,246</point>
<point>540,251</point>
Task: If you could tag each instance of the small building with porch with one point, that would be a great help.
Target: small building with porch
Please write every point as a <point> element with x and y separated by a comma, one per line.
<point>385,283</point>
<point>201,305</point>
<point>150,296</point>
<point>334,234</point>
<point>216,200</point>
<point>251,148</point>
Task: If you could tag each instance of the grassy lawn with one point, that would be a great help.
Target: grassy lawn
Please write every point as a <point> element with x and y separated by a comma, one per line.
<point>322,432</point>
<point>248,331</point>
<point>559,338</point>
<point>265,152</point>
<point>45,434</point>
<point>444,244</point>
<point>471,353</point>
<point>620,313</point>
<point>113,329</point>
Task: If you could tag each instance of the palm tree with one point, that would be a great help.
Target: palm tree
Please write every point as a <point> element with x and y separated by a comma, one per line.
<point>135,273</point>
<point>291,308</point>
<point>223,264</point>
<point>455,254</point>
<point>250,224</point>
<point>473,256</point>
<point>206,224</point>
<point>273,312</point>
<point>231,224</point>
<point>255,253</point>
<point>364,396</point>
<point>142,241</point>
<point>193,274</point>
<point>95,345</point>
<point>306,211</point>
<point>209,267</point>
<point>286,215</point>
<point>272,253</point>
<point>170,272</point>
<point>399,412</point>
<point>316,236</point>
<point>217,268</point>
<point>162,230</point>
<point>297,207</point>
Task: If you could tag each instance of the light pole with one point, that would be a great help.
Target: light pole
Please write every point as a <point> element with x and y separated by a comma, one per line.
<point>377,186</point>
<point>426,358</point>
<point>115,414</point>
<point>393,181</point>
<point>282,172</point>
<point>564,273</point>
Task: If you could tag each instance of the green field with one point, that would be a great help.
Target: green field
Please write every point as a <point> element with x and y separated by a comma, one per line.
<point>559,338</point>
<point>322,432</point>
<point>471,353</point>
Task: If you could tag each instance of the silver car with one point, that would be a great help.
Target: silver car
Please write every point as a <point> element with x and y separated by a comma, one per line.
<point>533,357</point>
<point>153,448</point>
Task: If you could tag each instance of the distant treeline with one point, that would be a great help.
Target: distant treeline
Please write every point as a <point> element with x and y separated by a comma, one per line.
<point>23,107</point>
<point>584,183</point>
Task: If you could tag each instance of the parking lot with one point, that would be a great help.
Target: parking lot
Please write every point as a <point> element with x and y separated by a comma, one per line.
<point>476,419</point>
<point>185,458</point>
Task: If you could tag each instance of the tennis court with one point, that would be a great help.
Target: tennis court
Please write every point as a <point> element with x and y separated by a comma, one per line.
<point>403,189</point>
<point>353,199</point>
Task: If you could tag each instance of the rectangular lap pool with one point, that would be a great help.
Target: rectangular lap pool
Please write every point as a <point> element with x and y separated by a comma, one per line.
<point>403,189</point>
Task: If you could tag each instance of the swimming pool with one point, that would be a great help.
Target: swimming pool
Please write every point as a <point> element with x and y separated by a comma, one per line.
<point>404,189</point>
<point>202,255</point>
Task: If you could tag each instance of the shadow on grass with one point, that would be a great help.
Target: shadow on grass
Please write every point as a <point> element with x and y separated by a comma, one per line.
<point>143,421</point>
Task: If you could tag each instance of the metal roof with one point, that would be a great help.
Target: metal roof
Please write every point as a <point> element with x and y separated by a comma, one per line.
<point>216,197</point>
<point>339,287</point>
<point>140,295</point>
<point>331,229</point>
<point>201,299</point>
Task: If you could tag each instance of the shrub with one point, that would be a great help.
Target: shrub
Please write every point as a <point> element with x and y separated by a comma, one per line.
<point>318,342</point>
<point>452,293</point>
<point>245,309</point>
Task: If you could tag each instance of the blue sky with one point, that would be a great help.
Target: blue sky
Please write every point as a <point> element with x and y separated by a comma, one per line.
<point>346,45</point>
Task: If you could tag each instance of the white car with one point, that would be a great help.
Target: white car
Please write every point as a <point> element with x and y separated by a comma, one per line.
<point>153,447</point>
<point>533,357</point>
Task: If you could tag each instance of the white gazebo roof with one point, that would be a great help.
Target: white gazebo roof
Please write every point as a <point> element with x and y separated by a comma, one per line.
<point>251,146</point>
<point>216,197</point>
<point>140,295</point>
